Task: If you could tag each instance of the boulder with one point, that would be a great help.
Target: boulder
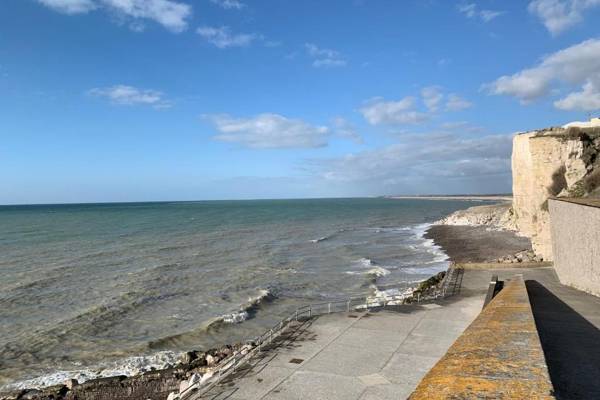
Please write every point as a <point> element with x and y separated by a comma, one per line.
<point>71,383</point>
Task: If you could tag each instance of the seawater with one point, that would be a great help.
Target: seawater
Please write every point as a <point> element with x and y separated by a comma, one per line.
<point>99,289</point>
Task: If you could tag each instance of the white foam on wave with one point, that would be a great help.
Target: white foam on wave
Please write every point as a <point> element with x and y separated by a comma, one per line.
<point>378,272</point>
<point>242,314</point>
<point>129,366</point>
<point>365,262</point>
<point>319,239</point>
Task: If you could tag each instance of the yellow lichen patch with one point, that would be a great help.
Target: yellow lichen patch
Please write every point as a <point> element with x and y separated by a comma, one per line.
<point>499,356</point>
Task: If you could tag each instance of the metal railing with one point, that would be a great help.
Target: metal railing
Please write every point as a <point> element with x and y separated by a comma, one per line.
<point>450,283</point>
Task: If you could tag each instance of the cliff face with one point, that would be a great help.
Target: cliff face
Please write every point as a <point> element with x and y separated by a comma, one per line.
<point>552,162</point>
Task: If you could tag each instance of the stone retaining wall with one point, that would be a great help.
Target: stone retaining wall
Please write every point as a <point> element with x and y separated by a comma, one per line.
<point>499,356</point>
<point>575,227</point>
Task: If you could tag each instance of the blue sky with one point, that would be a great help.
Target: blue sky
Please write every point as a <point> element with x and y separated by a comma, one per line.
<point>132,100</point>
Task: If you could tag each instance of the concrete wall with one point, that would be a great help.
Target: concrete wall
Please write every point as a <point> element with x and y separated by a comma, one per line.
<point>575,230</point>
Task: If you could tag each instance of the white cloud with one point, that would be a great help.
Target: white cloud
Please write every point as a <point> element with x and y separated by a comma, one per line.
<point>229,4</point>
<point>470,10</point>
<point>457,103</point>
<point>421,156</point>
<point>379,111</point>
<point>575,65</point>
<point>344,129</point>
<point>129,96</point>
<point>324,57</point>
<point>488,15</point>
<point>70,6</point>
<point>222,37</point>
<point>560,15</point>
<point>588,99</point>
<point>462,127</point>
<point>171,14</point>
<point>432,96</point>
<point>269,131</point>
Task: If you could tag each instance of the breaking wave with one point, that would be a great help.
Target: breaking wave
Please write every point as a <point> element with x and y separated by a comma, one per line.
<point>128,366</point>
<point>246,308</point>
<point>246,311</point>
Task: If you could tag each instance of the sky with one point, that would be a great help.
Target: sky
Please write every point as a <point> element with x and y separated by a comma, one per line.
<point>160,100</point>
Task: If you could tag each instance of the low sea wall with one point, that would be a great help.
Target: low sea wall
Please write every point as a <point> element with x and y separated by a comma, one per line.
<point>499,356</point>
<point>575,228</point>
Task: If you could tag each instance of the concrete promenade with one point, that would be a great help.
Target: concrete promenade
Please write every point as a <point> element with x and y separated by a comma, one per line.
<point>374,355</point>
<point>385,354</point>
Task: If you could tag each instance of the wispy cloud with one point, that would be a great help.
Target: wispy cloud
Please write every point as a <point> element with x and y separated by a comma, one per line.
<point>229,4</point>
<point>446,156</point>
<point>70,6</point>
<point>130,96</point>
<point>378,111</point>
<point>560,15</point>
<point>324,57</point>
<point>171,14</point>
<point>269,131</point>
<point>471,10</point>
<point>575,65</point>
<point>222,37</point>
<point>432,97</point>
<point>344,129</point>
<point>457,103</point>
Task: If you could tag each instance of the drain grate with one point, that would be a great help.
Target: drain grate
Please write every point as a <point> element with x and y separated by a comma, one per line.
<point>296,361</point>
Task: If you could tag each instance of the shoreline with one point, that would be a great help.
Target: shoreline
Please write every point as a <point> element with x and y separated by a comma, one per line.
<point>457,197</point>
<point>476,244</point>
<point>158,382</point>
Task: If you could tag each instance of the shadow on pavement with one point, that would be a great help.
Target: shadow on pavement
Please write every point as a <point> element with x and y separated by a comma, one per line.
<point>571,345</point>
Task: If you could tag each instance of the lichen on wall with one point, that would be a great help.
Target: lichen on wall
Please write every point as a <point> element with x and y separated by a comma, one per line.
<point>554,162</point>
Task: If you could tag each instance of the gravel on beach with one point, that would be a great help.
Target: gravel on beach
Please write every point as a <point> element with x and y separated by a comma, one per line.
<point>476,243</point>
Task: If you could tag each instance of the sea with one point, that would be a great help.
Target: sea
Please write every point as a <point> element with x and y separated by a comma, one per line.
<point>92,290</point>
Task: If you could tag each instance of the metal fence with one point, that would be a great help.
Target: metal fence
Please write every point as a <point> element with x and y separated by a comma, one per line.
<point>450,286</point>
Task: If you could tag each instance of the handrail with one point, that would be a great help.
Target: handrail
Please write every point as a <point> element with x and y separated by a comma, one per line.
<point>230,364</point>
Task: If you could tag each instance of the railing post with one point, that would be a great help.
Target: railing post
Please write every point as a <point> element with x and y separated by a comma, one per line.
<point>310,311</point>
<point>328,308</point>
<point>348,306</point>
<point>296,315</point>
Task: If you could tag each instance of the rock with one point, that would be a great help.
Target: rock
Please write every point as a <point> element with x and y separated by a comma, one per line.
<point>188,357</point>
<point>30,394</point>
<point>71,383</point>
<point>210,360</point>
<point>183,385</point>
<point>173,396</point>
<point>496,216</point>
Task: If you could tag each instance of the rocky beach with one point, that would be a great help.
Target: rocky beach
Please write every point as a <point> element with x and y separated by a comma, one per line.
<point>482,234</point>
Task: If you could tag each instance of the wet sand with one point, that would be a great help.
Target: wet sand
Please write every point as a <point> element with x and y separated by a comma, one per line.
<point>476,243</point>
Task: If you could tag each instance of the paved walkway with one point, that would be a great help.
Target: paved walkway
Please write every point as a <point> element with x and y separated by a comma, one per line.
<point>383,355</point>
<point>375,355</point>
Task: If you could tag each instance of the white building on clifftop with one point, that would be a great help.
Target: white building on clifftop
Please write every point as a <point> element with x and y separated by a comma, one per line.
<point>593,122</point>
